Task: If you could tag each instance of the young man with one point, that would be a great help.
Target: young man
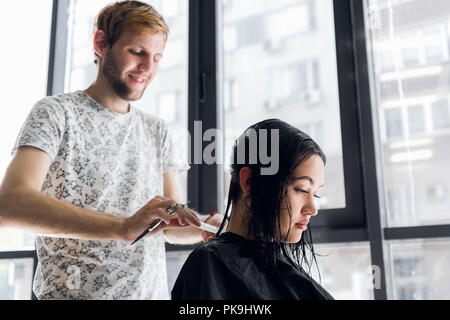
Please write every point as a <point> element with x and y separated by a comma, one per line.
<point>86,165</point>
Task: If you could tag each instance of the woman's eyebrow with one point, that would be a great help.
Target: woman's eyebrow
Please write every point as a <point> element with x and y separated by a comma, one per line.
<point>306,178</point>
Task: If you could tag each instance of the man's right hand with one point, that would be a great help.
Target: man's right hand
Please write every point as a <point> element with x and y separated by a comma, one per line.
<point>156,210</point>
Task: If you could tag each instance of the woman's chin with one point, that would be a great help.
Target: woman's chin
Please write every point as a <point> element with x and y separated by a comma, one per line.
<point>293,238</point>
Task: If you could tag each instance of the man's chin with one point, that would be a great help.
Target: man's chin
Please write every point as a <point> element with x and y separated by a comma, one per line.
<point>132,96</point>
<point>135,97</point>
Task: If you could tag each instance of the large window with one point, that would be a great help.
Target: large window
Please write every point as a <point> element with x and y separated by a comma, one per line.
<point>16,279</point>
<point>411,104</point>
<point>24,66</point>
<point>419,269</point>
<point>408,43</point>
<point>280,69</point>
<point>346,270</point>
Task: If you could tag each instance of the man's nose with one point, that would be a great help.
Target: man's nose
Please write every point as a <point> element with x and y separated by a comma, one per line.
<point>146,64</point>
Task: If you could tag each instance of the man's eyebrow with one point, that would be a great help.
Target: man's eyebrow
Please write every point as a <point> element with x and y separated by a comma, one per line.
<point>306,178</point>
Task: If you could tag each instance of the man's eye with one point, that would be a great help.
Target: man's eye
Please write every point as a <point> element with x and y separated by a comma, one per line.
<point>135,53</point>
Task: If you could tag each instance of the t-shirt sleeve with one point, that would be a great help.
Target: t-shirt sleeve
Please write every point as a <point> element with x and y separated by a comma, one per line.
<point>43,129</point>
<point>174,153</point>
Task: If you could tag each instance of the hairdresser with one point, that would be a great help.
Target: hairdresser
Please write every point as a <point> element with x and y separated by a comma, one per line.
<point>88,168</point>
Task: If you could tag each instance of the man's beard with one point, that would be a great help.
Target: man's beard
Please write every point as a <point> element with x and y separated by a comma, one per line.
<point>112,74</point>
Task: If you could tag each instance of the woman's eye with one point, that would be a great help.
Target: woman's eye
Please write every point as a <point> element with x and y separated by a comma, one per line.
<point>301,191</point>
<point>306,192</point>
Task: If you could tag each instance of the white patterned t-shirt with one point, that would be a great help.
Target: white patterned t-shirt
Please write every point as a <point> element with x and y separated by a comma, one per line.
<point>108,162</point>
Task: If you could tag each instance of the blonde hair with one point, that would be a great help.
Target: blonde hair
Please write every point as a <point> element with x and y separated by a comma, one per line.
<point>135,16</point>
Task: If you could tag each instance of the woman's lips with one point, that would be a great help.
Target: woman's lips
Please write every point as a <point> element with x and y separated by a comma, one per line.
<point>302,225</point>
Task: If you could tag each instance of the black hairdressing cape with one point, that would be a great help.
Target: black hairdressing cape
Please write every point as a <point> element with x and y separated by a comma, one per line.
<point>231,267</point>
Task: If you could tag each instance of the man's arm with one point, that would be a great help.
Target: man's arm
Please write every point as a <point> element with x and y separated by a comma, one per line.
<point>23,206</point>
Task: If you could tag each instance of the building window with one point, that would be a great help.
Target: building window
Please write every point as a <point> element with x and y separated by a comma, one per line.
<point>441,116</point>
<point>412,50</point>
<point>393,123</point>
<point>386,61</point>
<point>434,41</point>
<point>16,279</point>
<point>293,83</point>
<point>416,119</point>
<point>250,30</point>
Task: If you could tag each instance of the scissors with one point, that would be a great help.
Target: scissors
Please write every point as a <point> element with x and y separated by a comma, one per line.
<point>170,210</point>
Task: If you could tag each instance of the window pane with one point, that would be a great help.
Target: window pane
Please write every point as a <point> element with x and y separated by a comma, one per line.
<point>166,96</point>
<point>410,104</point>
<point>416,119</point>
<point>282,70</point>
<point>394,125</point>
<point>14,240</point>
<point>16,279</point>
<point>386,61</point>
<point>420,269</point>
<point>345,270</point>
<point>441,116</point>
<point>25,63</point>
<point>410,57</point>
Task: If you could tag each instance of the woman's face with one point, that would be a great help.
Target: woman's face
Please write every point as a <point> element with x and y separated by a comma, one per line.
<point>301,196</point>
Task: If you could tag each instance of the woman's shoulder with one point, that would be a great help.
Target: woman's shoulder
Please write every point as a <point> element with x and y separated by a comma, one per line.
<point>216,244</point>
<point>226,245</point>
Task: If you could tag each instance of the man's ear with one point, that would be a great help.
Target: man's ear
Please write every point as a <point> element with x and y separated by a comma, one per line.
<point>244,179</point>
<point>100,43</point>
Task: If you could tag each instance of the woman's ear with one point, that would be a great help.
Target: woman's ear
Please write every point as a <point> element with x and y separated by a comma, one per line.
<point>244,179</point>
<point>99,43</point>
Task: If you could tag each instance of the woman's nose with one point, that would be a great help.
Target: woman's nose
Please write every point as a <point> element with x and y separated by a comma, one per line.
<point>311,207</point>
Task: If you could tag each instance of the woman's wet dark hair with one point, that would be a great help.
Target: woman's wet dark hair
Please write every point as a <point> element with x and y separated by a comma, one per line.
<point>267,191</point>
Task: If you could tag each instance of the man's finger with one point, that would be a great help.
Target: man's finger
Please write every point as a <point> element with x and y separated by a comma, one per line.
<point>160,204</point>
<point>162,214</point>
<point>174,224</point>
<point>188,216</point>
